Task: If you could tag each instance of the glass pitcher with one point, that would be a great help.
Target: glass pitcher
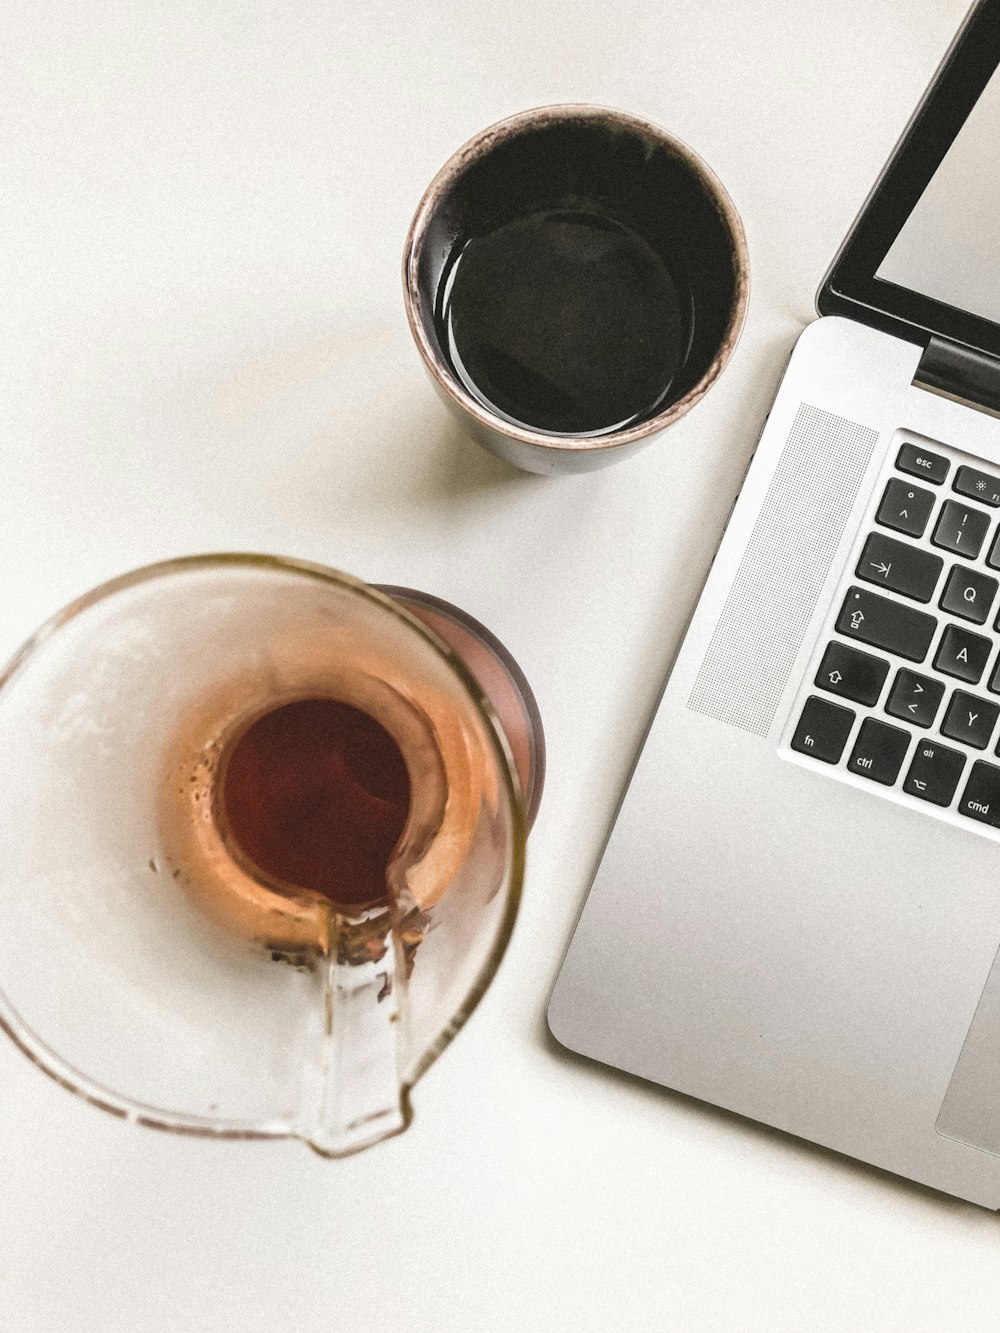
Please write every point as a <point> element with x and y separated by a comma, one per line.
<point>149,961</point>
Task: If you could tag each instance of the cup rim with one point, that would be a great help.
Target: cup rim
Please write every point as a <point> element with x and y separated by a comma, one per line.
<point>62,1071</point>
<point>474,150</point>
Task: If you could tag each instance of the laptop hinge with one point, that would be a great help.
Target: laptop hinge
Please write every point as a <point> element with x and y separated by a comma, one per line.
<point>958,372</point>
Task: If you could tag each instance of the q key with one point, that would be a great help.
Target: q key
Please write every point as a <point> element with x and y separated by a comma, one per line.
<point>968,594</point>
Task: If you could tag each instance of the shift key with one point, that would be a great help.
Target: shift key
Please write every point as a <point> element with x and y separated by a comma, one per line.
<point>886,624</point>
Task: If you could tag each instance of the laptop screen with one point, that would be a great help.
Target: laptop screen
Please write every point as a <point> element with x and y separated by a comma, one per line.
<point>949,247</point>
<point>922,260</point>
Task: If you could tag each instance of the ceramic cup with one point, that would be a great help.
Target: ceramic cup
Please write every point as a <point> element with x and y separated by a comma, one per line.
<point>576,280</point>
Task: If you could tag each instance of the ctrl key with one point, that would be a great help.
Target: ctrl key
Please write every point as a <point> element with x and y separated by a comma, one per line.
<point>981,798</point>
<point>823,730</point>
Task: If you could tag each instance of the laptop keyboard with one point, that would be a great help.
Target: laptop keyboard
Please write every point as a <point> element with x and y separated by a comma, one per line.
<point>903,693</point>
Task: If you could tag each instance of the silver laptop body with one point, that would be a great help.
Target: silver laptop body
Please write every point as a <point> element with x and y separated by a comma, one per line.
<point>797,913</point>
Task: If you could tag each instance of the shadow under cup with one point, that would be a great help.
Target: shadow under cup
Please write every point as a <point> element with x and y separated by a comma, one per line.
<point>575,279</point>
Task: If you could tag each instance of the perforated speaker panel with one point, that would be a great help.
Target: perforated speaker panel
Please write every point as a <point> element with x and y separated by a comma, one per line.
<point>760,630</point>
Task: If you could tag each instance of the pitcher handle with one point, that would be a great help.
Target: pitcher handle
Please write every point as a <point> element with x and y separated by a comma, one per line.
<point>356,1095</point>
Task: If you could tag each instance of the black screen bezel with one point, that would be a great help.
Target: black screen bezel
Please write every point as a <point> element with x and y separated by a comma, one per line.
<point>851,287</point>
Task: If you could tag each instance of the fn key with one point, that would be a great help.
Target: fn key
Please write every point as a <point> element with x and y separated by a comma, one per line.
<point>823,730</point>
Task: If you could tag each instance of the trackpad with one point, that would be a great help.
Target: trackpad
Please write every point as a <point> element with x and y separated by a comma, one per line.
<point>970,1111</point>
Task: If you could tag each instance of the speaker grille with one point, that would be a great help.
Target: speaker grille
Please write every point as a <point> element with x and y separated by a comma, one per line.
<point>748,661</point>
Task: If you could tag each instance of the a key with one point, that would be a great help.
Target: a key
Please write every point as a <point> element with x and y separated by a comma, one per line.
<point>961,529</point>
<point>914,698</point>
<point>968,594</point>
<point>993,559</point>
<point>823,730</point>
<point>899,566</point>
<point>978,485</point>
<point>970,720</point>
<point>922,463</point>
<point>905,508</point>
<point>934,772</point>
<point>878,752</point>
<point>886,624</point>
<point>852,674</point>
<point>981,798</point>
<point>962,653</point>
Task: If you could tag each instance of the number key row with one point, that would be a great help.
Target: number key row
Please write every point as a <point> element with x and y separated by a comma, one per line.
<point>907,508</point>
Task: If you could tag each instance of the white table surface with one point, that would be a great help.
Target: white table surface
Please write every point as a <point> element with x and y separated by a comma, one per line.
<point>203,346</point>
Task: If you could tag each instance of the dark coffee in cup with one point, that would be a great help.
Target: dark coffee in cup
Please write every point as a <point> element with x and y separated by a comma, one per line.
<point>568,322</point>
<point>575,280</point>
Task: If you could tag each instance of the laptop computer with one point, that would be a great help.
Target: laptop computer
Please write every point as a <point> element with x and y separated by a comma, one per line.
<point>797,913</point>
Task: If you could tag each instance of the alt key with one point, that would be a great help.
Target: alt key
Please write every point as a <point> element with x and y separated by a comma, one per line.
<point>934,773</point>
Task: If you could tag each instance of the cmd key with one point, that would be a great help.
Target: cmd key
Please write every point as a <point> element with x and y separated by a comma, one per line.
<point>981,798</point>
<point>886,624</point>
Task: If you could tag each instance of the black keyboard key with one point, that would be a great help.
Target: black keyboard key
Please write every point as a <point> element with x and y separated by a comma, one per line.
<point>934,773</point>
<point>886,624</point>
<point>962,653</point>
<point>922,463</point>
<point>994,681</point>
<point>961,529</point>
<point>823,730</point>
<point>968,594</point>
<point>899,566</point>
<point>879,751</point>
<point>914,698</point>
<point>854,675</point>
<point>905,508</point>
<point>993,559</point>
<point>977,485</point>
<point>981,798</point>
<point>970,720</point>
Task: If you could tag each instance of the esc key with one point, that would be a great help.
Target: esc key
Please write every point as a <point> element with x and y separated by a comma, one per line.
<point>922,463</point>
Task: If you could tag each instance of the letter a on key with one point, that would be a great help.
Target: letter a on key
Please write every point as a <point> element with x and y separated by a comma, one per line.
<point>963,655</point>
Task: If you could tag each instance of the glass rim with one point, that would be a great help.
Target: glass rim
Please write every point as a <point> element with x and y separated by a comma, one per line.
<point>74,1080</point>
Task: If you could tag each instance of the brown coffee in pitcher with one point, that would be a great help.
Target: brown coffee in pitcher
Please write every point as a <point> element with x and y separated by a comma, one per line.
<point>320,788</point>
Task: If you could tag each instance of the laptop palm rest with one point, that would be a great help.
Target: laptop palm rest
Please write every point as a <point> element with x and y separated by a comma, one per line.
<point>970,1112</point>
